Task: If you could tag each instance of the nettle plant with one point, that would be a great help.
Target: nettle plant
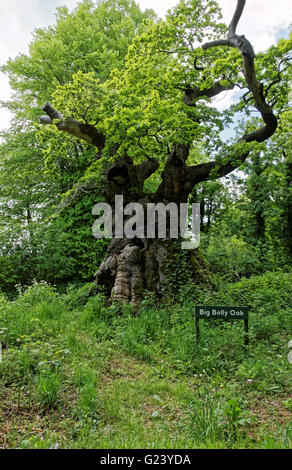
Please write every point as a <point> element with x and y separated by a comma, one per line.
<point>156,131</point>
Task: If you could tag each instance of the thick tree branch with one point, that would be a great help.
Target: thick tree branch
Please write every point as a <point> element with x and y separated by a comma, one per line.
<point>217,43</point>
<point>236,17</point>
<point>146,169</point>
<point>194,93</point>
<point>174,186</point>
<point>202,172</point>
<point>76,128</point>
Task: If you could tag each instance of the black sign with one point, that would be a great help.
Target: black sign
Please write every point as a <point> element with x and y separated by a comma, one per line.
<point>204,312</point>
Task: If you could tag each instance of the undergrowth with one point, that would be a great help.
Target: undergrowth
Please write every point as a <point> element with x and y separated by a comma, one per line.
<point>77,372</point>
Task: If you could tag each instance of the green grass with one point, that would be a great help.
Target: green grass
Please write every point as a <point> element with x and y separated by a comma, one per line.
<point>77,373</point>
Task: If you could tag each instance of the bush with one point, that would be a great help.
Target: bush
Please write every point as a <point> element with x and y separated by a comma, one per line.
<point>233,258</point>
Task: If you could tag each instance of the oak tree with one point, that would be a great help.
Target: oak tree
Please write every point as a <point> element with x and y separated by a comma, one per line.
<point>151,120</point>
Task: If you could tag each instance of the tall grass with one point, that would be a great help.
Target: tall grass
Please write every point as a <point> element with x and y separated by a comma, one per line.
<point>58,350</point>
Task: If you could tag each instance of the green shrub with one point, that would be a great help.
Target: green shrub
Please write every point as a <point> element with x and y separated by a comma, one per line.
<point>76,297</point>
<point>233,258</point>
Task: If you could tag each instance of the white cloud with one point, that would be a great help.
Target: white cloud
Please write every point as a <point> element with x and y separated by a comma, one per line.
<point>260,22</point>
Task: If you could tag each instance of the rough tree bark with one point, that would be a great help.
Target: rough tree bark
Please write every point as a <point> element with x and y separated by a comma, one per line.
<point>132,265</point>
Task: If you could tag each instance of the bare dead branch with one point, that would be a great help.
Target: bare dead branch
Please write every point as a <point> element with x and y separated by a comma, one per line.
<point>51,112</point>
<point>76,128</point>
<point>217,43</point>
<point>236,17</point>
<point>202,172</point>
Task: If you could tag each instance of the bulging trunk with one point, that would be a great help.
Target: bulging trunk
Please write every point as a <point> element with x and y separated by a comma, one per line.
<point>133,265</point>
<point>159,266</point>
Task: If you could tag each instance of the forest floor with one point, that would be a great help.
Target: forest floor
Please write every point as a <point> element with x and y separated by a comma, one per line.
<point>76,373</point>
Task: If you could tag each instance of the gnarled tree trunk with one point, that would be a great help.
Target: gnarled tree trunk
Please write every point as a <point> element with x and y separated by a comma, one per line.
<point>133,265</point>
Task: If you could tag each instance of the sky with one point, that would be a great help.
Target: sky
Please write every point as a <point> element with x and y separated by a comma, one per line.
<point>263,22</point>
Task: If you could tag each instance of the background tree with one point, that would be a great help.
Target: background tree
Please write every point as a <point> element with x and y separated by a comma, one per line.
<point>39,241</point>
<point>214,198</point>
